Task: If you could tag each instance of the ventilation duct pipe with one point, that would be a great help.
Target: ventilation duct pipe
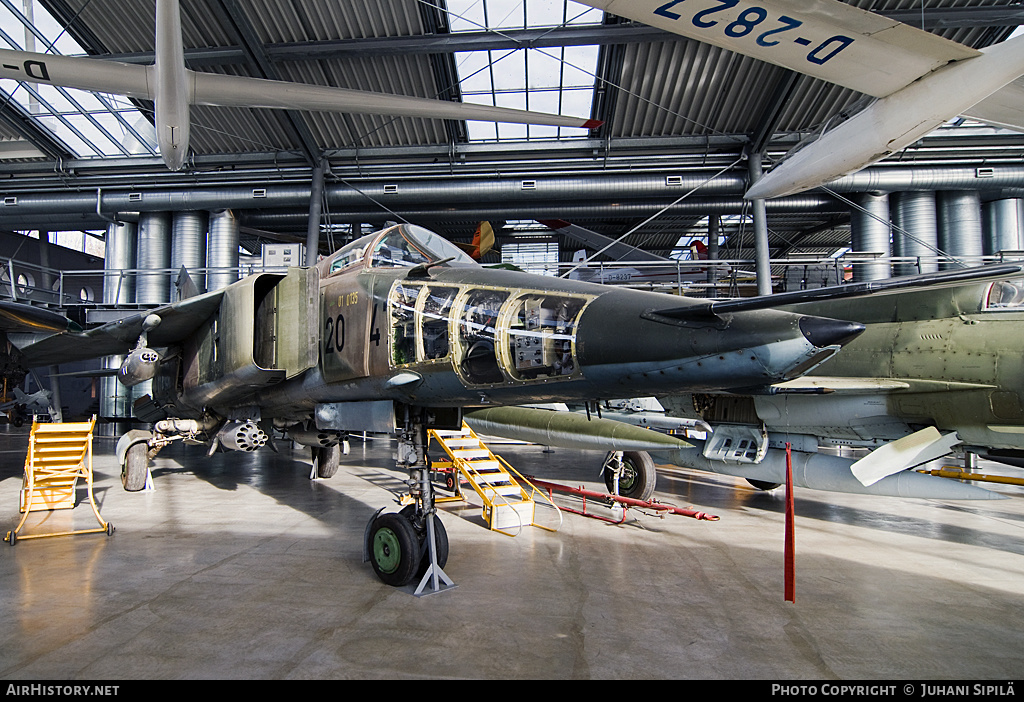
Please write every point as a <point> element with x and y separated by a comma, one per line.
<point>508,190</point>
<point>154,255</point>
<point>188,247</point>
<point>915,231</point>
<point>118,289</point>
<point>886,179</point>
<point>959,213</point>
<point>374,219</point>
<point>870,234</point>
<point>1004,226</point>
<point>119,258</point>
<point>222,250</point>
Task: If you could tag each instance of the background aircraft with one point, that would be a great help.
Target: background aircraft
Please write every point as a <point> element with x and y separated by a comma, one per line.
<point>400,330</point>
<point>619,252</point>
<point>173,88</point>
<point>919,80</point>
<point>935,371</point>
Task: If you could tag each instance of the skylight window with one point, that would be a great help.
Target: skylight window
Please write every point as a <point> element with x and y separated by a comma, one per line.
<point>88,124</point>
<point>557,80</point>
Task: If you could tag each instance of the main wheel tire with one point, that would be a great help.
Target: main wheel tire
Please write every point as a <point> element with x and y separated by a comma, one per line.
<point>136,467</point>
<point>638,477</point>
<point>763,484</point>
<point>440,541</point>
<point>394,549</point>
<point>328,460</point>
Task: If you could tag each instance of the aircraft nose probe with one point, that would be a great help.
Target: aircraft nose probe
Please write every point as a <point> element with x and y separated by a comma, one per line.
<point>823,331</point>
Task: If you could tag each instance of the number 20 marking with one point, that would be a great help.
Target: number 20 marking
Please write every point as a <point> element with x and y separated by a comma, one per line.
<point>334,334</point>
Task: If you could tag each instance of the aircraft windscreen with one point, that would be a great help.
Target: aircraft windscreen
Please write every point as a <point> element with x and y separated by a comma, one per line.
<point>351,253</point>
<point>1006,295</point>
<point>407,245</point>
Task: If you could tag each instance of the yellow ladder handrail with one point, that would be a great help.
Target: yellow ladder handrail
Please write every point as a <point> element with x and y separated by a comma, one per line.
<point>535,491</point>
<point>489,501</point>
<point>466,468</point>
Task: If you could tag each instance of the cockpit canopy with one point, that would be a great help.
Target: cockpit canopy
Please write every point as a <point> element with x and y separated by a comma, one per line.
<point>400,246</point>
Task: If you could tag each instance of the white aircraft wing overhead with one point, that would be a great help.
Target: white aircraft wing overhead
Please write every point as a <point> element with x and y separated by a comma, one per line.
<point>77,72</point>
<point>241,91</point>
<point>826,39</point>
<point>1003,109</point>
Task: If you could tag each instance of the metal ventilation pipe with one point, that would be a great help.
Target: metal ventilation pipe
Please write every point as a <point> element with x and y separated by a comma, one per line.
<point>1003,226</point>
<point>118,289</point>
<point>915,231</point>
<point>959,213</point>
<point>188,247</point>
<point>870,233</point>
<point>222,250</point>
<point>154,254</point>
<point>119,286</point>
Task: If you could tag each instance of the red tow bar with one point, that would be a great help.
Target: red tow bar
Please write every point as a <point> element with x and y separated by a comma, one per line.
<point>659,507</point>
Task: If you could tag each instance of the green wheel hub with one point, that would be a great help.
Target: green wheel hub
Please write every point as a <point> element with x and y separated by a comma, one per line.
<point>387,551</point>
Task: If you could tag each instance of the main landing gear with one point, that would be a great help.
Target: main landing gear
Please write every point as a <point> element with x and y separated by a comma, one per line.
<point>630,474</point>
<point>411,545</point>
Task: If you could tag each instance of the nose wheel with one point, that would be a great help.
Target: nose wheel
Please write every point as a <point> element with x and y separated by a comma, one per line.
<point>411,546</point>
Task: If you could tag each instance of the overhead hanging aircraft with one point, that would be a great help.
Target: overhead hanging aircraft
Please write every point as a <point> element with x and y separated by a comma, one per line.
<point>173,88</point>
<point>937,372</point>
<point>399,331</point>
<point>918,80</point>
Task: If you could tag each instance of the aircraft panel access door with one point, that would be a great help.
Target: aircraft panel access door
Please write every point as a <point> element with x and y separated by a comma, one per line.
<point>348,314</point>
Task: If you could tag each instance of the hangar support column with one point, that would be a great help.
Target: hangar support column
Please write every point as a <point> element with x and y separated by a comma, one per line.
<point>761,253</point>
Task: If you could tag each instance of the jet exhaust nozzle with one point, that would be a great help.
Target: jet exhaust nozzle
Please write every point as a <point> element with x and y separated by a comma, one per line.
<point>242,436</point>
<point>823,331</point>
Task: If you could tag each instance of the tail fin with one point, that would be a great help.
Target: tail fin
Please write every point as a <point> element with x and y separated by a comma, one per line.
<point>698,250</point>
<point>186,286</point>
<point>483,241</point>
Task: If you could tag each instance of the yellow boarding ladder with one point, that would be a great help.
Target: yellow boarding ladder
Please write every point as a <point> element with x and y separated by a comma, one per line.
<point>58,455</point>
<point>507,503</point>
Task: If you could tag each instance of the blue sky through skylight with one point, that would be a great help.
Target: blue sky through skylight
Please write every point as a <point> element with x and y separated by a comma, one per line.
<point>556,80</point>
<point>88,124</point>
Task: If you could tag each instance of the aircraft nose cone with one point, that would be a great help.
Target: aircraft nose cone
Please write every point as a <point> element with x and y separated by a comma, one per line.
<point>822,331</point>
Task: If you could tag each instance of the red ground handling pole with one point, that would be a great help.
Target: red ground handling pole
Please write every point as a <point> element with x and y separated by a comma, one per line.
<point>790,545</point>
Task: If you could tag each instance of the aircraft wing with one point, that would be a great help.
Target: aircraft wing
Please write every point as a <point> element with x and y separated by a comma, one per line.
<point>242,91</point>
<point>826,39</point>
<point>1003,109</point>
<point>888,286</point>
<point>16,317</point>
<point>178,321</point>
<point>869,386</point>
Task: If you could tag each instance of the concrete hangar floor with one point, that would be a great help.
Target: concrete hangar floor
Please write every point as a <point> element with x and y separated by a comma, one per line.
<point>239,567</point>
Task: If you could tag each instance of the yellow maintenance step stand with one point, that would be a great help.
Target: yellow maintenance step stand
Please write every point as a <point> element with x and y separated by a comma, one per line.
<point>58,455</point>
<point>509,501</point>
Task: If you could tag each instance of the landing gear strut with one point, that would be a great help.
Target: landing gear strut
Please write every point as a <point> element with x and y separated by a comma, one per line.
<point>634,473</point>
<point>411,544</point>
